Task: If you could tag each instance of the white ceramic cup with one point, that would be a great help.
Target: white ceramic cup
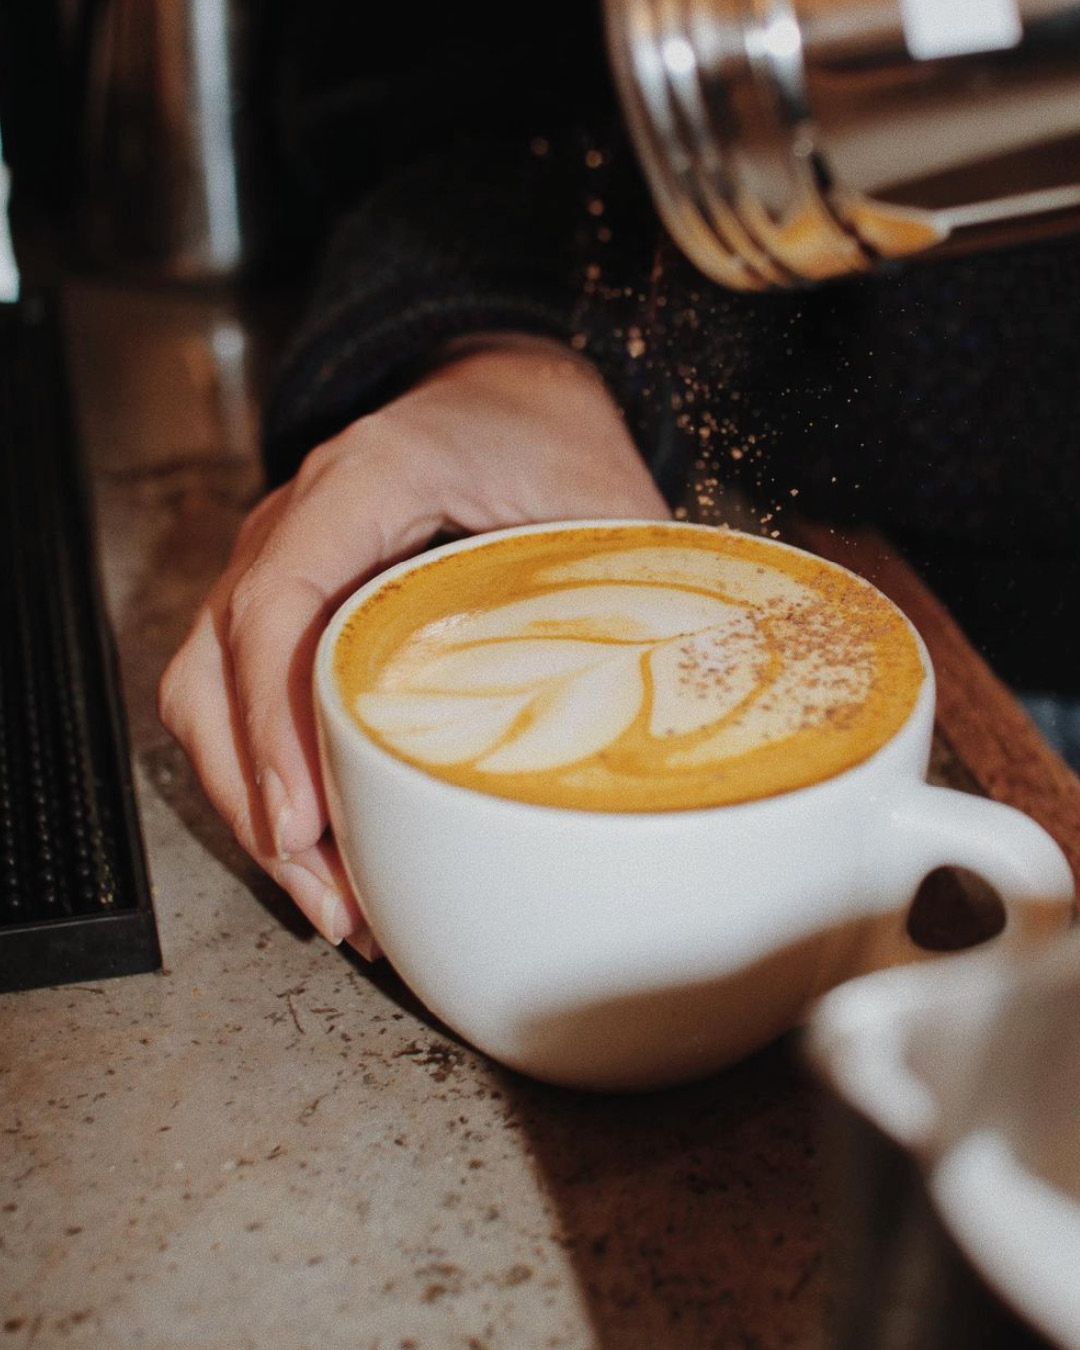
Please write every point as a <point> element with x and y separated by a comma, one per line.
<point>973,1069</point>
<point>631,950</point>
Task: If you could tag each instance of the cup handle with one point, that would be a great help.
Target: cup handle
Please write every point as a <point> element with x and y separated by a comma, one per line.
<point>931,827</point>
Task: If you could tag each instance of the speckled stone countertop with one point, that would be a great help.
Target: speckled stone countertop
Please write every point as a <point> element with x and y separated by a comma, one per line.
<point>267,1143</point>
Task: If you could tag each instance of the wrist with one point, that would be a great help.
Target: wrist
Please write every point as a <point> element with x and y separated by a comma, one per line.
<point>510,348</point>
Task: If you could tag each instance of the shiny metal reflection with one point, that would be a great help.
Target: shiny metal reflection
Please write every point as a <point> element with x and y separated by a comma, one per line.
<point>790,141</point>
<point>175,164</point>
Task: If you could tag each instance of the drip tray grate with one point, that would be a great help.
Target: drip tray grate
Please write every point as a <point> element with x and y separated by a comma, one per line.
<point>74,895</point>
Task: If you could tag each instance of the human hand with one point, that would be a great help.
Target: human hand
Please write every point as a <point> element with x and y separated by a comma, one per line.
<point>517,431</point>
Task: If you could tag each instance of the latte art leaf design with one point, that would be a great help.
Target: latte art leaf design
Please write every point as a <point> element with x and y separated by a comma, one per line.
<point>556,678</point>
<point>628,667</point>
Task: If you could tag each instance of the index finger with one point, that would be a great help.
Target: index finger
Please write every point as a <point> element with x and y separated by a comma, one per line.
<point>344,521</point>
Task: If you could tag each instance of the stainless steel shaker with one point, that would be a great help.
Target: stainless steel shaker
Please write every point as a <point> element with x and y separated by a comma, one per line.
<point>175,163</point>
<point>789,141</point>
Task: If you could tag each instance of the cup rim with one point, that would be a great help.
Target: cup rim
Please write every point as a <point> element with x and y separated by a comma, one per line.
<point>329,703</point>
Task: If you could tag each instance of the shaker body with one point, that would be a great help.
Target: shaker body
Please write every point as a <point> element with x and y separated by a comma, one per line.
<point>788,141</point>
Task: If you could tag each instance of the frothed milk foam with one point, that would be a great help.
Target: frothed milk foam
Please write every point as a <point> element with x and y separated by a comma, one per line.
<point>629,668</point>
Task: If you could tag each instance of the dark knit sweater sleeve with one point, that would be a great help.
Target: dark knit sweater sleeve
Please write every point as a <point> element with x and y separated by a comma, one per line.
<point>478,176</point>
<point>489,235</point>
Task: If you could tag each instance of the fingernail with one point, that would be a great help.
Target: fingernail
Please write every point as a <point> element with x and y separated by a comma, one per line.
<point>278,812</point>
<point>324,907</point>
<point>337,923</point>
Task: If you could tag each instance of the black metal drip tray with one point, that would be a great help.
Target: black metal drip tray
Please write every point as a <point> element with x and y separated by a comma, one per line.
<point>74,894</point>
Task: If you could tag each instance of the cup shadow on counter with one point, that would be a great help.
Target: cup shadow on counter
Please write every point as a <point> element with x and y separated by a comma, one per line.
<point>690,1216</point>
<point>705,1214</point>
